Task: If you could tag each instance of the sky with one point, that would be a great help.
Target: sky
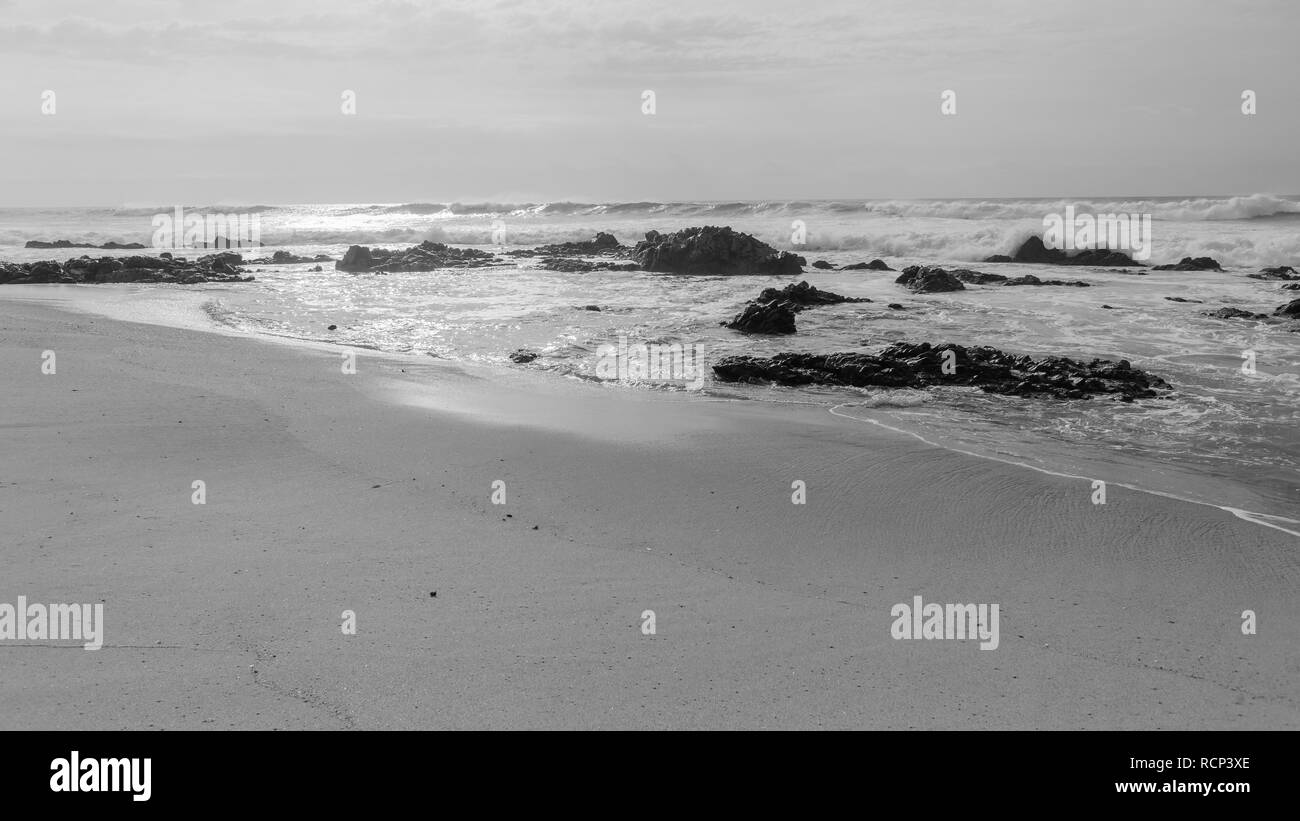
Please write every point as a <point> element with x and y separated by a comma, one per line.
<point>241,102</point>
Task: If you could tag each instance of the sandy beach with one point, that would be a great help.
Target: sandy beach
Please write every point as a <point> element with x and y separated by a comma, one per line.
<point>372,491</point>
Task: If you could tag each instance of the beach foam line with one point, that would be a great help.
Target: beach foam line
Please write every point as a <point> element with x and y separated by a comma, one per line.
<point>1265,519</point>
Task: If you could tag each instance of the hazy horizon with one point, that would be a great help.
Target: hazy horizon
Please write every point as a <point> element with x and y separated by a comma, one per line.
<point>514,102</point>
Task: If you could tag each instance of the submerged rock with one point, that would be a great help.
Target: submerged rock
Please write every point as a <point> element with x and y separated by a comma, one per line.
<point>928,280</point>
<point>1233,313</point>
<point>711,250</point>
<point>921,365</point>
<point>873,265</point>
<point>1181,299</point>
<point>1033,250</point>
<point>602,245</point>
<point>1030,279</point>
<point>823,264</point>
<point>1280,272</point>
<point>427,256</point>
<point>1190,264</point>
<point>523,356</point>
<point>583,266</point>
<point>976,277</point>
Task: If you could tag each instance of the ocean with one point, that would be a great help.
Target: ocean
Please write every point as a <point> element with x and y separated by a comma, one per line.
<point>1224,437</point>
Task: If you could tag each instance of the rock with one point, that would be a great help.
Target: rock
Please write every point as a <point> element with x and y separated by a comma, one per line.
<point>1294,286</point>
<point>332,328</point>
<point>1190,264</point>
<point>801,295</point>
<point>823,264</point>
<point>1234,313</point>
<point>873,265</point>
<point>976,277</point>
<point>591,307</point>
<point>912,365</point>
<point>1108,307</point>
<point>317,269</point>
<point>427,256</point>
<point>1280,272</point>
<point>711,250</point>
<point>224,267</point>
<point>1034,251</point>
<point>1291,309</point>
<point>894,306</point>
<point>767,318</point>
<point>928,280</point>
<point>1181,299</point>
<point>523,356</point>
<point>582,266</point>
<point>64,243</point>
<point>1030,279</point>
<point>603,245</point>
<point>357,258</point>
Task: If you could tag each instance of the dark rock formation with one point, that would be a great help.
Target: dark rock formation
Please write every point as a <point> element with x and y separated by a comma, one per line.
<point>582,266</point>
<point>591,307</point>
<point>523,356</point>
<point>773,312</point>
<point>765,318</point>
<point>222,267</point>
<point>64,243</point>
<point>928,280</point>
<point>1033,250</point>
<point>1280,272</point>
<point>1190,264</point>
<point>427,256</point>
<point>823,264</point>
<point>894,306</point>
<point>1294,286</point>
<point>1233,313</point>
<point>976,277</point>
<point>286,258</point>
<point>912,365</point>
<point>603,245</point>
<point>801,295</point>
<point>711,250</point>
<point>1291,309</point>
<point>1030,279</point>
<point>1181,299</point>
<point>873,265</point>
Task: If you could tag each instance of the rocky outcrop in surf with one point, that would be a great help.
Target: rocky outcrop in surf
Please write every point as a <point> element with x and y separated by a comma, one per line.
<point>711,250</point>
<point>922,365</point>
<point>774,309</point>
<point>1033,250</point>
<point>928,280</point>
<point>769,318</point>
<point>286,258</point>
<point>602,245</point>
<point>873,265</point>
<point>1233,313</point>
<point>584,266</point>
<point>1191,264</point>
<point>1281,272</point>
<point>427,256</point>
<point>1290,310</point>
<point>1030,279</point>
<point>222,267</point>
